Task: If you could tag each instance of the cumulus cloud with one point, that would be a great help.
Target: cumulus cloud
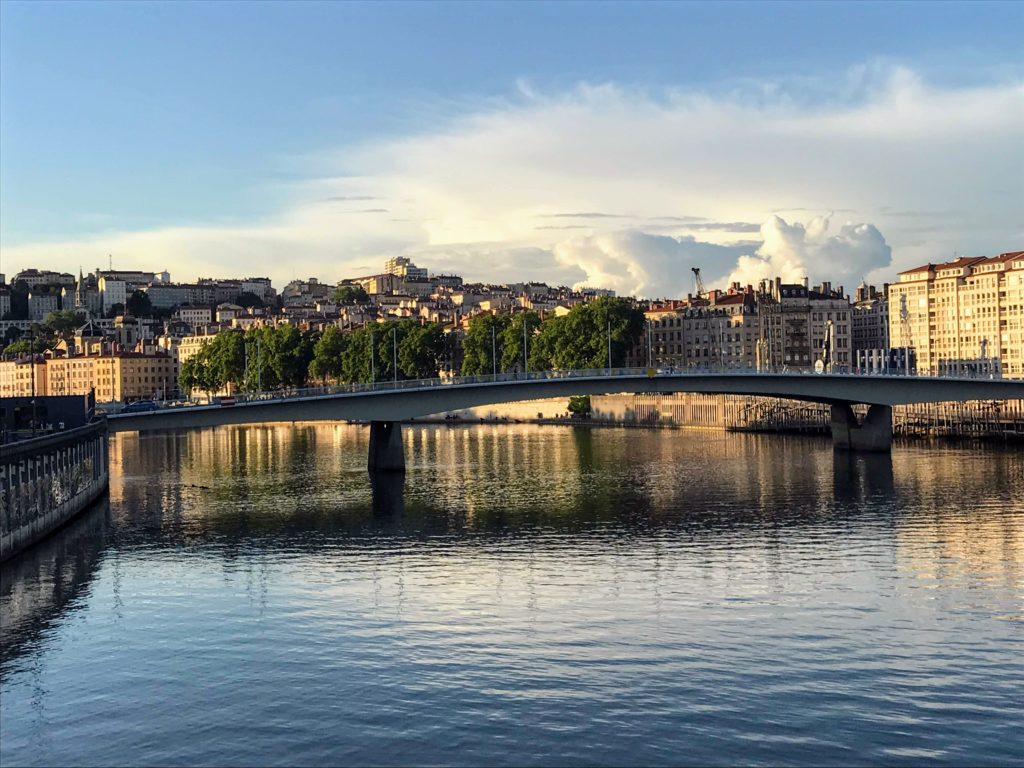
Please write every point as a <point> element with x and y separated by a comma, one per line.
<point>794,251</point>
<point>633,262</point>
<point>476,191</point>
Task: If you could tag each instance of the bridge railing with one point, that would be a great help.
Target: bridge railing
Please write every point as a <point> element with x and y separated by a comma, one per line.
<point>482,379</point>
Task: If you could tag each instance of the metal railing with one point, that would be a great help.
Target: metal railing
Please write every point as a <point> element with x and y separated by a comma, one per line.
<point>246,398</point>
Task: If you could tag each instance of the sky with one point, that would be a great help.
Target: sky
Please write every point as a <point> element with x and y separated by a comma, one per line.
<point>604,144</point>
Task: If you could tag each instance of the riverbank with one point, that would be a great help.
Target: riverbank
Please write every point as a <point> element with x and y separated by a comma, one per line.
<point>987,421</point>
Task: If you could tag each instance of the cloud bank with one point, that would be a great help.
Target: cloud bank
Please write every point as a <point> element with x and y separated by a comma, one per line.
<point>626,188</point>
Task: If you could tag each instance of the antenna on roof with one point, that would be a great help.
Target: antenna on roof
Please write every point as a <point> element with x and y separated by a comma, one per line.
<point>110,262</point>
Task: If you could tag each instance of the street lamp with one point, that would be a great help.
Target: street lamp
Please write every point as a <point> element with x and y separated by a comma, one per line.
<point>394,348</point>
<point>609,346</point>
<point>494,351</point>
<point>526,356</point>
<point>373,361</point>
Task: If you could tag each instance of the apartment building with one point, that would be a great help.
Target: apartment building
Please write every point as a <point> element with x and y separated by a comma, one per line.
<point>800,325</point>
<point>961,313</point>
<point>42,304</point>
<point>34,277</point>
<point>16,378</point>
<point>112,291</point>
<point>719,331</point>
<point>116,376</point>
<point>194,316</point>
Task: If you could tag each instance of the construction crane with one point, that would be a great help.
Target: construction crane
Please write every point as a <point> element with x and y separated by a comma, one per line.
<point>698,282</point>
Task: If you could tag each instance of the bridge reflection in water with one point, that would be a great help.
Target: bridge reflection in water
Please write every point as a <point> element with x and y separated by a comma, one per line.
<point>521,578</point>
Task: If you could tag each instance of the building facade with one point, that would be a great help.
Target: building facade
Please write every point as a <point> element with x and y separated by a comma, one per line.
<point>963,313</point>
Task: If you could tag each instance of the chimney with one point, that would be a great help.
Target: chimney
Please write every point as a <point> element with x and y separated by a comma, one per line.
<point>806,282</point>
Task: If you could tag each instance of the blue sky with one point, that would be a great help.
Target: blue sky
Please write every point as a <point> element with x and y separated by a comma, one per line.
<point>134,118</point>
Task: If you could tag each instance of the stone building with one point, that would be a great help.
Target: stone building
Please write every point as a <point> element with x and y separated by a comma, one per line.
<point>963,314</point>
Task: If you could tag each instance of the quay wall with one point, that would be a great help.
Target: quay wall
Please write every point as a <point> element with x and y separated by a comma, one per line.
<point>999,419</point>
<point>46,481</point>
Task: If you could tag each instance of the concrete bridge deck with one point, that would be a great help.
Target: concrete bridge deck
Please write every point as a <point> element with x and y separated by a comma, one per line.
<point>390,402</point>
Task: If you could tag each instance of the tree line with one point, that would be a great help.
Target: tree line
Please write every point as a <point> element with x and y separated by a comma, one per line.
<point>576,340</point>
<point>283,356</point>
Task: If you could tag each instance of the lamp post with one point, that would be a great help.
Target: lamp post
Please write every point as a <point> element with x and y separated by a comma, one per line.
<point>649,344</point>
<point>526,351</point>
<point>609,346</point>
<point>394,351</point>
<point>32,362</point>
<point>494,351</point>
<point>373,361</point>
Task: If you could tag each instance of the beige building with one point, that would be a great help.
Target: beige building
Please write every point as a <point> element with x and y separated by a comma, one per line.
<point>16,378</point>
<point>966,314</point>
<point>720,331</point>
<point>117,377</point>
<point>800,326</point>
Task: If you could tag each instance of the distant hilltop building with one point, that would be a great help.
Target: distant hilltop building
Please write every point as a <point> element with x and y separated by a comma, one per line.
<point>34,277</point>
<point>403,267</point>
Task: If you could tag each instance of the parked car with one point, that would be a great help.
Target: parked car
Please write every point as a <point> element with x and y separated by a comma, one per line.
<point>140,406</point>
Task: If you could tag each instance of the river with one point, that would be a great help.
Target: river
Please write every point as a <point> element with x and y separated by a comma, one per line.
<point>537,595</point>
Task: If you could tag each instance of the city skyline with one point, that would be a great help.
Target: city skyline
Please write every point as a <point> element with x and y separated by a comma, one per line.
<point>604,149</point>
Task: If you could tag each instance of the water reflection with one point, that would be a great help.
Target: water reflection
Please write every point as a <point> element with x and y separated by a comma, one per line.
<point>48,580</point>
<point>860,476</point>
<point>530,595</point>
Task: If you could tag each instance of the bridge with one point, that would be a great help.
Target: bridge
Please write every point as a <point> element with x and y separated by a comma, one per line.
<point>385,404</point>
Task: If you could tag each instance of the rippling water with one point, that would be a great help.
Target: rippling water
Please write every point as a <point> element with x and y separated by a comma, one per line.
<point>538,595</point>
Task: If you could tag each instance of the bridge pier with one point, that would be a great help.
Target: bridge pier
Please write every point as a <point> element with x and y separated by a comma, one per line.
<point>386,453</point>
<point>874,434</point>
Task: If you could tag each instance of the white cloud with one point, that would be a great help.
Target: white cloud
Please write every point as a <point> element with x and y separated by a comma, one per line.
<point>794,251</point>
<point>638,263</point>
<point>484,191</point>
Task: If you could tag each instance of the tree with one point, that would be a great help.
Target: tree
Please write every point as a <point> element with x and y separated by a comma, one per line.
<point>485,332</point>
<point>26,346</point>
<point>355,365</point>
<point>12,334</point>
<point>248,300</point>
<point>580,339</point>
<point>259,374</point>
<point>227,356</point>
<point>288,354</point>
<point>62,323</point>
<point>350,294</point>
<point>328,355</point>
<point>512,338</point>
<point>19,301</point>
<point>579,406</point>
<point>115,309</point>
<point>139,304</point>
<point>421,350</point>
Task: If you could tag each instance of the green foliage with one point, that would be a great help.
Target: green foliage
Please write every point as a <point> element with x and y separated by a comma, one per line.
<point>580,406</point>
<point>62,323</point>
<point>512,341</point>
<point>328,355</point>
<point>477,349</point>
<point>580,339</point>
<point>19,301</point>
<point>139,304</point>
<point>351,294</point>
<point>220,361</point>
<point>248,299</point>
<point>421,350</point>
<point>26,345</point>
